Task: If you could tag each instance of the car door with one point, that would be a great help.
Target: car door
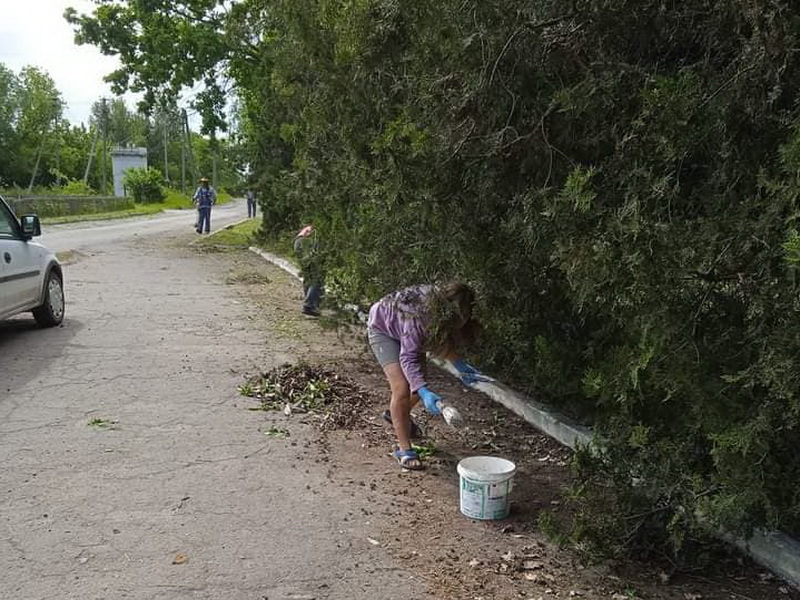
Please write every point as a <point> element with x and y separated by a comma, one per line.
<point>21,274</point>
<point>5,309</point>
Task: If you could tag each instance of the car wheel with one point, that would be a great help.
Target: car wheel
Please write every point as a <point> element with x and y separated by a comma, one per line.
<point>51,312</point>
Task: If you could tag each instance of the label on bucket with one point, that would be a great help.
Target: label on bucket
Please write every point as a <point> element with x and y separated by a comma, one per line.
<point>483,500</point>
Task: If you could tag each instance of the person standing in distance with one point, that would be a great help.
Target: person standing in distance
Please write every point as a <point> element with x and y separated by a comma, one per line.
<point>251,203</point>
<point>204,197</point>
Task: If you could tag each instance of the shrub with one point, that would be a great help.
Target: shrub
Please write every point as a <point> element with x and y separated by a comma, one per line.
<point>76,187</point>
<point>144,185</point>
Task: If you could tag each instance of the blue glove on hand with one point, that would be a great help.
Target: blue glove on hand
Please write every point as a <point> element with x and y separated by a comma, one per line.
<point>430,400</point>
<point>469,374</point>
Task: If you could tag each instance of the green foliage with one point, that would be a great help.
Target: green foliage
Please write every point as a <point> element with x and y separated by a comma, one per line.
<point>144,184</point>
<point>164,45</point>
<point>76,188</point>
<point>29,123</point>
<point>176,199</point>
<point>618,180</point>
<point>791,247</point>
<point>623,218</point>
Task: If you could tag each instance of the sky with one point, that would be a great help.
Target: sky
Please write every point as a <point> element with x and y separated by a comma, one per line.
<point>34,32</point>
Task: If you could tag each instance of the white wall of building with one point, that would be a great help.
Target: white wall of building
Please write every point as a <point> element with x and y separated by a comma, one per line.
<point>123,159</point>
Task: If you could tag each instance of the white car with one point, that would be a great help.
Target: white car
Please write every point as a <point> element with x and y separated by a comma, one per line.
<point>30,274</point>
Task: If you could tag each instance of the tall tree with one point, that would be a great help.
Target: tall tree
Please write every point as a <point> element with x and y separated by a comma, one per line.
<point>165,47</point>
<point>40,107</point>
<point>9,109</point>
<point>125,127</point>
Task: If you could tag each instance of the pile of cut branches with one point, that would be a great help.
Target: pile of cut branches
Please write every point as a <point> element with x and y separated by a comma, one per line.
<point>337,400</point>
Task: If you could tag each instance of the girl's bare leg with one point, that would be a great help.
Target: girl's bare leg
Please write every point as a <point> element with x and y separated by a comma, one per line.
<point>400,405</point>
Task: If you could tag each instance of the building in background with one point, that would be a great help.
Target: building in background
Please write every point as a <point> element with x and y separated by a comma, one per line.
<point>123,159</point>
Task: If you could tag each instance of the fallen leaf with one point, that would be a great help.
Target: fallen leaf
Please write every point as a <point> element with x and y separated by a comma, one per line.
<point>180,559</point>
<point>373,542</point>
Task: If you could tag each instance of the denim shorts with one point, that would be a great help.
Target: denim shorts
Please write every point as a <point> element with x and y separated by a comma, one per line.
<point>386,349</point>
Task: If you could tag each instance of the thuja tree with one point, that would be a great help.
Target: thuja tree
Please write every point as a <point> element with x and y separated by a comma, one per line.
<point>618,179</point>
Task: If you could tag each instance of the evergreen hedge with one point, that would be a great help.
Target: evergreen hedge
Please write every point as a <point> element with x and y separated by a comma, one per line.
<point>619,180</point>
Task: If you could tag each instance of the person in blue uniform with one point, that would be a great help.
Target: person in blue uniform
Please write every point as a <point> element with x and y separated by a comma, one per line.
<point>204,197</point>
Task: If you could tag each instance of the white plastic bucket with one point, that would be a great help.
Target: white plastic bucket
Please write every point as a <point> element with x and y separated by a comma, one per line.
<point>486,483</point>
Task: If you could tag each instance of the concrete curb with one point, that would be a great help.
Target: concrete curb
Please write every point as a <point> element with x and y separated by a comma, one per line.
<point>773,550</point>
<point>557,426</point>
<point>277,261</point>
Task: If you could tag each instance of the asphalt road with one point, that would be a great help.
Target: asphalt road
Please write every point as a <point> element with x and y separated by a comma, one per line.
<point>99,234</point>
<point>130,468</point>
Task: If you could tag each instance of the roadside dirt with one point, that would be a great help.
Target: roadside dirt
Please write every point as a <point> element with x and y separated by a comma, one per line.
<point>418,512</point>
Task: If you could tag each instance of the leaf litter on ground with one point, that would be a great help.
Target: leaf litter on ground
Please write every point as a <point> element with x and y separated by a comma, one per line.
<point>336,400</point>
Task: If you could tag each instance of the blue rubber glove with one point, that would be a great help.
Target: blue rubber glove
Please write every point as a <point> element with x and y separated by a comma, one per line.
<point>469,374</point>
<point>430,400</point>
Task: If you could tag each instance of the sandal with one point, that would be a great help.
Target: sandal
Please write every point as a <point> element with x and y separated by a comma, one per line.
<point>406,458</point>
<point>416,430</point>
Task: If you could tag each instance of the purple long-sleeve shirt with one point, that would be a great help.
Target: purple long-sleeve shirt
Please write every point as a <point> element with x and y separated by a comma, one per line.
<point>403,315</point>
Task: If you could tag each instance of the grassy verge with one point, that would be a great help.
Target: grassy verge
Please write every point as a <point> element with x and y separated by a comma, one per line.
<point>174,201</point>
<point>233,236</point>
<point>246,234</point>
<point>282,247</point>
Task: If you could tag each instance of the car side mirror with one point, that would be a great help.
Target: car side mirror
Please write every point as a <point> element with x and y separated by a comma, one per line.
<point>30,225</point>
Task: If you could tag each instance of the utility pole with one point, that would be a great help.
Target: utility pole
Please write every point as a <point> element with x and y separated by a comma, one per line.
<point>45,131</point>
<point>188,141</point>
<point>183,164</point>
<point>166,142</point>
<point>214,160</point>
<point>58,149</point>
<point>36,166</point>
<point>104,175</point>
<point>91,156</point>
